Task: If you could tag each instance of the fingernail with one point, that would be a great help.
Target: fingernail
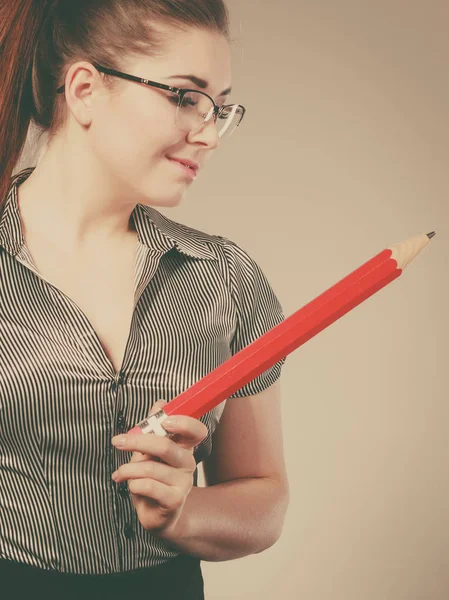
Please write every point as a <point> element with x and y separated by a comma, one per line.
<point>170,422</point>
<point>119,441</point>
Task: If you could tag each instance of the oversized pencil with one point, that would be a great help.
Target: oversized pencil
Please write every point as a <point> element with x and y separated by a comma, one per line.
<point>294,331</point>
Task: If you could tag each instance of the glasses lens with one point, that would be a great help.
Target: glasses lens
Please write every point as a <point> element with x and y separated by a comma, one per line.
<point>197,109</point>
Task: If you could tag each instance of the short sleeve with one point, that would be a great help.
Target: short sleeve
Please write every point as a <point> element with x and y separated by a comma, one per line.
<point>258,310</point>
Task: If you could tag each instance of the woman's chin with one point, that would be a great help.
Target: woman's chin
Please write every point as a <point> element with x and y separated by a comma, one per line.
<point>161,201</point>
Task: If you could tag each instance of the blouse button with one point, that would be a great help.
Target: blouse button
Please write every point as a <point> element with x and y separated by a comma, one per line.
<point>128,531</point>
<point>123,489</point>
<point>121,423</point>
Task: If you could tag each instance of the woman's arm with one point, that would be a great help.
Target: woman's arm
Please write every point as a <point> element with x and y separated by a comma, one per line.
<point>242,510</point>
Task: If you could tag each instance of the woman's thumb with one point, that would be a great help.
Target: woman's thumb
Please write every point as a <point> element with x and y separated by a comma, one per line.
<point>157,406</point>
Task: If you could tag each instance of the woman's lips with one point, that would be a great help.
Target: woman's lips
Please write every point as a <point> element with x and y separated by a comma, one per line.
<point>191,173</point>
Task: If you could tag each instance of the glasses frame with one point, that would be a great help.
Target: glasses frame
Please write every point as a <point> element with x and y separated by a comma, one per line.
<point>181,92</point>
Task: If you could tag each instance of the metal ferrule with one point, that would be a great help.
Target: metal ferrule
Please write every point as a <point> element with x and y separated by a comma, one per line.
<point>152,424</point>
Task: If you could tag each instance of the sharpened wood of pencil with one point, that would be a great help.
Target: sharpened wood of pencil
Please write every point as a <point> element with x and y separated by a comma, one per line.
<point>293,332</point>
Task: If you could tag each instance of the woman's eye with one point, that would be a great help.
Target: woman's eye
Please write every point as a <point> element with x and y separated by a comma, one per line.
<point>174,99</point>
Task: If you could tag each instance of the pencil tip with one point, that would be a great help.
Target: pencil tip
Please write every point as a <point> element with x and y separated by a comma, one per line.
<point>430,235</point>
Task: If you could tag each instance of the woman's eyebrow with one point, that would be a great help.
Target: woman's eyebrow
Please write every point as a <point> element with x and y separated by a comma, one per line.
<point>200,83</point>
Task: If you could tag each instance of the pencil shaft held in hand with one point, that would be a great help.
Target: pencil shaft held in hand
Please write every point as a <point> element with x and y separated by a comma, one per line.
<point>293,332</point>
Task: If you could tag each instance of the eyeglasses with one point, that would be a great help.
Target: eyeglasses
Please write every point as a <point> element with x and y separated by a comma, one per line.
<point>193,108</point>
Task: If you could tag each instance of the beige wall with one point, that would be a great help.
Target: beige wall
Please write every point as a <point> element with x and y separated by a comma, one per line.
<point>344,151</point>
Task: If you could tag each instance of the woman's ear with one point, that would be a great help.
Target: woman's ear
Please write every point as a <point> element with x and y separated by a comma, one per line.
<point>82,83</point>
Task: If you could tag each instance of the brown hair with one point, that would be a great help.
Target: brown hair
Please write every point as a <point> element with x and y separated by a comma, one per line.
<point>40,39</point>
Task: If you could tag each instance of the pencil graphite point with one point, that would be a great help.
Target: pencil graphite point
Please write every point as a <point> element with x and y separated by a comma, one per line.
<point>405,252</point>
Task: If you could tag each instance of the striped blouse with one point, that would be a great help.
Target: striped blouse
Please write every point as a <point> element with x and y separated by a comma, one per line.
<point>199,299</point>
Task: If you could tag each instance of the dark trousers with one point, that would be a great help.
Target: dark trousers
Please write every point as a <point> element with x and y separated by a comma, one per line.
<point>178,579</point>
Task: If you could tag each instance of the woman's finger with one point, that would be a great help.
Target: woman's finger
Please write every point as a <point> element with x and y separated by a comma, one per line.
<point>165,496</point>
<point>152,470</point>
<point>189,432</point>
<point>185,431</point>
<point>155,446</point>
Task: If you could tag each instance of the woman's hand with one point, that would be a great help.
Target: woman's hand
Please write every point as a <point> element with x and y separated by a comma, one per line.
<point>159,489</point>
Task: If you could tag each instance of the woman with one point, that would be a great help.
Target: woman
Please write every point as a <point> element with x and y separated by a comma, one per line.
<point>106,306</point>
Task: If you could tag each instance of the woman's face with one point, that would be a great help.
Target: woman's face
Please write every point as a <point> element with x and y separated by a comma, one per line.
<point>134,131</point>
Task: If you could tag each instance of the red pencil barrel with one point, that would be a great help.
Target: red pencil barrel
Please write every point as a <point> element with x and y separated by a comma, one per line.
<point>294,331</point>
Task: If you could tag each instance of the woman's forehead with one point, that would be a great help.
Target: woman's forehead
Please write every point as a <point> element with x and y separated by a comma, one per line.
<point>203,54</point>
